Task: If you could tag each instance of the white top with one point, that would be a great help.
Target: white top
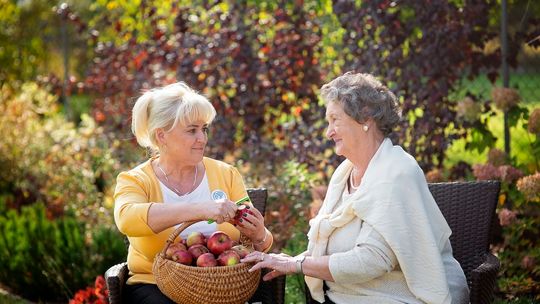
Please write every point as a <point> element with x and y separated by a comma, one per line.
<point>200,194</point>
<point>388,241</point>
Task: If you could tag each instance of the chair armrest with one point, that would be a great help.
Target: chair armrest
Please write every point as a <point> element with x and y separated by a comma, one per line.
<point>483,280</point>
<point>270,292</point>
<point>115,278</point>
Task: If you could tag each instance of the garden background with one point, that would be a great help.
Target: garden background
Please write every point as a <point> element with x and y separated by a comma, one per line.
<point>70,73</point>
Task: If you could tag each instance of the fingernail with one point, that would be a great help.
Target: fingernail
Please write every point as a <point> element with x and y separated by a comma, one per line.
<point>247,207</point>
<point>240,220</point>
<point>244,214</point>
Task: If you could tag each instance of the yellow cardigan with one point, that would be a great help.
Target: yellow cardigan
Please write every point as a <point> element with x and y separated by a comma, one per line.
<point>137,189</point>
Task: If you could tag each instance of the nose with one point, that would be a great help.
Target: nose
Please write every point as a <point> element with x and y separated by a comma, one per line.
<point>330,132</point>
<point>201,136</point>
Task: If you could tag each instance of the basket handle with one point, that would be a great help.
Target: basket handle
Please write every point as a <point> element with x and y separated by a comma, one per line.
<point>175,234</point>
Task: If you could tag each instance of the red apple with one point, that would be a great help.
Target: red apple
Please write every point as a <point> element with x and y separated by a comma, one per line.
<point>206,260</point>
<point>218,242</point>
<point>240,214</point>
<point>228,258</point>
<point>172,248</point>
<point>241,250</point>
<point>195,238</point>
<point>182,256</point>
<point>197,250</point>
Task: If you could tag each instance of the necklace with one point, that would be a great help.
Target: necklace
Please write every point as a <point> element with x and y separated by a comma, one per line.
<point>172,186</point>
<point>351,181</point>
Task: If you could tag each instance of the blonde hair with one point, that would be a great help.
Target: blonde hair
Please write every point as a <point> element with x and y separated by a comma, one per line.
<point>166,107</point>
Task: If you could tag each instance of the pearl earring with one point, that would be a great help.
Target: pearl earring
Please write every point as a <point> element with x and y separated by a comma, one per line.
<point>366,128</point>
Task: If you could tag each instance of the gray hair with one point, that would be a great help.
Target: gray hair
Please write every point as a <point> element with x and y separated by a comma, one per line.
<point>363,97</point>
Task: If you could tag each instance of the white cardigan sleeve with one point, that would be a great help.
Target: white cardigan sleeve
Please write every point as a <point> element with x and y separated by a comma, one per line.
<point>370,258</point>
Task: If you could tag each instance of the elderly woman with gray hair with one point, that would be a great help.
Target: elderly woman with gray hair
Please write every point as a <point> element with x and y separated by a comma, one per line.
<point>379,236</point>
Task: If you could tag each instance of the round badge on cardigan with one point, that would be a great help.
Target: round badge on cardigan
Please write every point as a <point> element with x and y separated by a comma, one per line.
<point>219,195</point>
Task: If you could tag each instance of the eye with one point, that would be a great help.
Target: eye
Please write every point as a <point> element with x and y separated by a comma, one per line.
<point>205,130</point>
<point>192,131</point>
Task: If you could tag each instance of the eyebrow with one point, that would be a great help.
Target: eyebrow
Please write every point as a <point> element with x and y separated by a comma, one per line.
<point>195,125</point>
<point>331,115</point>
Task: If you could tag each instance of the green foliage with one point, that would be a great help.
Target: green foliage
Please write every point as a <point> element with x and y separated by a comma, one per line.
<point>46,158</point>
<point>518,211</point>
<point>295,288</point>
<point>43,259</point>
<point>289,199</point>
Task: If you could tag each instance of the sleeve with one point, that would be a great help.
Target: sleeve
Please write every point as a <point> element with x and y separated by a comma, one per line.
<point>370,258</point>
<point>131,206</point>
<point>238,189</point>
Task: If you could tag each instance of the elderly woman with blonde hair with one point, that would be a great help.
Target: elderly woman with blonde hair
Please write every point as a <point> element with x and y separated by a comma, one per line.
<point>177,184</point>
<point>379,236</point>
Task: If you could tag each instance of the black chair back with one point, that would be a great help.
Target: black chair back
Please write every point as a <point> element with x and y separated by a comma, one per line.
<point>468,207</point>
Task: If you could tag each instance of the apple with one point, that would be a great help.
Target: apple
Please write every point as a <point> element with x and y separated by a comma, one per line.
<point>218,242</point>
<point>228,258</point>
<point>240,214</point>
<point>241,250</point>
<point>182,256</point>
<point>172,248</point>
<point>195,238</point>
<point>197,250</point>
<point>206,260</point>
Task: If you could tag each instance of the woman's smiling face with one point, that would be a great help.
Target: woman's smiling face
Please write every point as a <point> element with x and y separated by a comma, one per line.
<point>342,129</point>
<point>187,143</point>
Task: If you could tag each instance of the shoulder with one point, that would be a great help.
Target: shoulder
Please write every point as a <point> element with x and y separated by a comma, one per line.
<point>402,165</point>
<point>214,164</point>
<point>142,173</point>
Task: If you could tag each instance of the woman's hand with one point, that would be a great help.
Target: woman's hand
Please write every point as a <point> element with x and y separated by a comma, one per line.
<point>220,211</point>
<point>252,225</point>
<point>279,263</point>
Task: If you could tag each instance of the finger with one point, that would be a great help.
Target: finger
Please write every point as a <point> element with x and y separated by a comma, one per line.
<point>232,205</point>
<point>251,218</point>
<point>248,259</point>
<point>257,266</point>
<point>255,255</point>
<point>244,223</point>
<point>257,214</point>
<point>272,274</point>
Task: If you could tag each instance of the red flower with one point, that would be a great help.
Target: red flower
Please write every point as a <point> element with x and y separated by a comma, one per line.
<point>92,295</point>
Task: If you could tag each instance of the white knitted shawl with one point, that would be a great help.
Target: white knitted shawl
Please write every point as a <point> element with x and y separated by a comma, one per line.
<point>394,199</point>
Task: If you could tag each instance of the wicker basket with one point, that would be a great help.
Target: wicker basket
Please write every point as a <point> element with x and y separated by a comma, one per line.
<point>209,285</point>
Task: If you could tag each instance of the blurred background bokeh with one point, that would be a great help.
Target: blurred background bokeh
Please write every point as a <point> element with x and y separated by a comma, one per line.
<point>467,74</point>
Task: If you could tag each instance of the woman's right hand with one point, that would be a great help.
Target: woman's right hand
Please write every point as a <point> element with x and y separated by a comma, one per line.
<point>220,211</point>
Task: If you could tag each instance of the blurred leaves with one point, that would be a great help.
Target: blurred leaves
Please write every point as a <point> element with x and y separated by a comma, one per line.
<point>45,158</point>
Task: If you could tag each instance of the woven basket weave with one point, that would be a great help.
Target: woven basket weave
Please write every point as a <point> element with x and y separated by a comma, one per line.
<point>209,285</point>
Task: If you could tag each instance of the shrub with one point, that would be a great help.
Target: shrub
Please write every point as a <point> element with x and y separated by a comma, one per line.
<point>43,259</point>
<point>46,158</point>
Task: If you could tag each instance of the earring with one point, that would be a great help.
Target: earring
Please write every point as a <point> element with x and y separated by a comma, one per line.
<point>366,128</point>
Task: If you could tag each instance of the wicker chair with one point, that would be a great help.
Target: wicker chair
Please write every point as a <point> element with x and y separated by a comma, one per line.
<point>469,208</point>
<point>271,292</point>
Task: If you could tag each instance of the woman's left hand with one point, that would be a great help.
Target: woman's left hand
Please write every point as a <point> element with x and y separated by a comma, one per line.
<point>252,225</point>
<point>279,263</point>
